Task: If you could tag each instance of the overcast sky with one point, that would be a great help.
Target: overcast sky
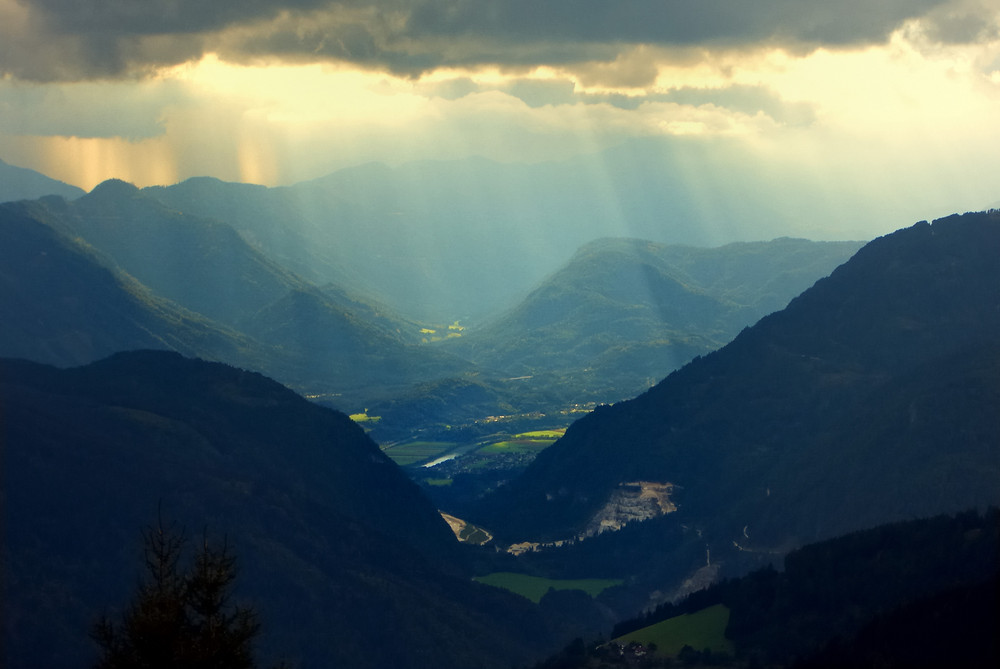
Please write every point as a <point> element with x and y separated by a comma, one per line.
<point>894,96</point>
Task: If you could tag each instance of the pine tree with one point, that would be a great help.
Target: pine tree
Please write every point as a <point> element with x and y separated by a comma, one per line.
<point>180,617</point>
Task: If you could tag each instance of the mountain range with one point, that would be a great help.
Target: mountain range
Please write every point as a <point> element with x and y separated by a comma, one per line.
<point>870,398</point>
<point>230,291</point>
<point>209,293</point>
<point>439,241</point>
<point>64,306</point>
<point>623,313</point>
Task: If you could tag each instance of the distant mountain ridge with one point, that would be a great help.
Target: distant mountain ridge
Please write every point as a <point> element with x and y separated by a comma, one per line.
<point>20,183</point>
<point>463,239</point>
<point>231,266</point>
<point>63,306</point>
<point>870,398</point>
<point>244,307</point>
<point>622,313</point>
<point>199,263</point>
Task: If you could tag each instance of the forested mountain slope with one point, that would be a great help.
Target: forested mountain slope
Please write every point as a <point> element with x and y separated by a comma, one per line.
<point>338,550</point>
<point>197,262</point>
<point>62,306</point>
<point>870,398</point>
<point>201,271</point>
<point>916,593</point>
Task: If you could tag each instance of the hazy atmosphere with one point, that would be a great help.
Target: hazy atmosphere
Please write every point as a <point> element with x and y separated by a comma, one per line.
<point>561,334</point>
<point>895,102</point>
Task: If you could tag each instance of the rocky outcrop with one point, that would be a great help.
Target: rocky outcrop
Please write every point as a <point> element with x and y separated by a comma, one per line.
<point>466,532</point>
<point>631,502</point>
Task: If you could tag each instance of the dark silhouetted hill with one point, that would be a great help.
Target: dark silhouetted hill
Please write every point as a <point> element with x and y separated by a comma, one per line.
<point>918,593</point>
<point>344,559</point>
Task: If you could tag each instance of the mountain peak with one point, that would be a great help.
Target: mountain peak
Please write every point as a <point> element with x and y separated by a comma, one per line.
<point>113,188</point>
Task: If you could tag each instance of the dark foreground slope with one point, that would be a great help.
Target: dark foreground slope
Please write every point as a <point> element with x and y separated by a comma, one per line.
<point>345,560</point>
<point>918,593</point>
<point>871,397</point>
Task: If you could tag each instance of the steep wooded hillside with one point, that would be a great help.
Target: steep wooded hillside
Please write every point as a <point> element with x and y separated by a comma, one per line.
<point>199,263</point>
<point>917,593</point>
<point>870,398</point>
<point>62,306</point>
<point>204,275</point>
<point>338,550</point>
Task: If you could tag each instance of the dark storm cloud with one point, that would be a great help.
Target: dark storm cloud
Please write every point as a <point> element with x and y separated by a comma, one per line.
<point>159,17</point>
<point>79,39</point>
<point>963,22</point>
<point>669,22</point>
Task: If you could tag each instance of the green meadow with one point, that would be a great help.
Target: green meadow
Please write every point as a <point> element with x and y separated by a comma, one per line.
<point>526,442</point>
<point>535,587</point>
<point>543,434</point>
<point>700,630</point>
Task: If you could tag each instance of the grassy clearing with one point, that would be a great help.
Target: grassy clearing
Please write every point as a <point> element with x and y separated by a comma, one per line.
<point>540,435</point>
<point>701,630</point>
<point>439,482</point>
<point>417,451</point>
<point>516,446</point>
<point>526,442</point>
<point>535,587</point>
<point>441,332</point>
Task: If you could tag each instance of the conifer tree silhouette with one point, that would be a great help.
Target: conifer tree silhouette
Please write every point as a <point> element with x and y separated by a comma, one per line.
<point>180,617</point>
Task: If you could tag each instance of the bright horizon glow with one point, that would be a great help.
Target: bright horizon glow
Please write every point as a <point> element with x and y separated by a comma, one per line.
<point>909,119</point>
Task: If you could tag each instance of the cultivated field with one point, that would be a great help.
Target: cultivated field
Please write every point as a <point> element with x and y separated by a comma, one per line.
<point>701,630</point>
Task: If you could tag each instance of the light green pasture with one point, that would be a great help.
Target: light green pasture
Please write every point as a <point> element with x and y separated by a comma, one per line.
<point>700,630</point>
